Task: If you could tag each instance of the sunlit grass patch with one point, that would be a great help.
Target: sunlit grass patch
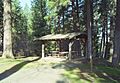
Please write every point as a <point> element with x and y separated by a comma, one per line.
<point>74,76</point>
<point>23,63</point>
<point>86,78</point>
<point>6,64</point>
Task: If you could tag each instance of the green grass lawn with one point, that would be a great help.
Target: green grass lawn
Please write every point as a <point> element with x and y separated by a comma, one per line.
<point>6,64</point>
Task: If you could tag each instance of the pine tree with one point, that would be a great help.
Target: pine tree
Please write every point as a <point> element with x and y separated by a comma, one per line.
<point>20,29</point>
<point>38,13</point>
<point>116,56</point>
<point>7,45</point>
<point>38,23</point>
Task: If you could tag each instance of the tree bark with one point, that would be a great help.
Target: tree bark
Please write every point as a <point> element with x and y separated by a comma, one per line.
<point>1,25</point>
<point>7,42</point>
<point>116,55</point>
<point>89,31</point>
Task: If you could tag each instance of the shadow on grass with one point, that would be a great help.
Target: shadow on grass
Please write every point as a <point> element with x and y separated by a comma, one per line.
<point>79,72</point>
<point>14,69</point>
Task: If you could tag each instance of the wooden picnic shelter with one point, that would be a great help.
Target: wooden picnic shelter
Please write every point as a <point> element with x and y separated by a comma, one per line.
<point>57,37</point>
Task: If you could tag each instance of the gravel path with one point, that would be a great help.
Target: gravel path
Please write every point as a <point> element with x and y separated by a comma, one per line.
<point>40,74</point>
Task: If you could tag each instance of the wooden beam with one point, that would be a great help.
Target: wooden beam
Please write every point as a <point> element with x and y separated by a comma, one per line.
<point>43,50</point>
<point>70,50</point>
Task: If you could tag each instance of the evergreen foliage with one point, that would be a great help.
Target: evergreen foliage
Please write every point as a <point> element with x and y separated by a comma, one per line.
<point>38,13</point>
<point>19,29</point>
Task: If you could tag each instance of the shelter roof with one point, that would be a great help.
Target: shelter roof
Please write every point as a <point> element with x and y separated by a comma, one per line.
<point>61,36</point>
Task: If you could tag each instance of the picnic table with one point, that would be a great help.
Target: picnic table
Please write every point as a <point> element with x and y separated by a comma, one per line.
<point>62,54</point>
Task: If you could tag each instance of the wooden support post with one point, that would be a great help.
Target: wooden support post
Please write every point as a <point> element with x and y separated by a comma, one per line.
<point>43,50</point>
<point>70,50</point>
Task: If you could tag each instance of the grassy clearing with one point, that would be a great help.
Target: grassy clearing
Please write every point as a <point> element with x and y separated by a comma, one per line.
<point>100,74</point>
<point>7,64</point>
<point>23,63</point>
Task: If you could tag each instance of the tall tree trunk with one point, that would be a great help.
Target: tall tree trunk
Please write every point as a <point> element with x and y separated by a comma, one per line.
<point>92,25</point>
<point>1,25</point>
<point>77,24</point>
<point>116,55</point>
<point>89,31</point>
<point>111,34</point>
<point>7,46</point>
<point>73,15</point>
<point>105,24</point>
<point>96,48</point>
<point>59,26</point>
<point>104,38</point>
<point>63,14</point>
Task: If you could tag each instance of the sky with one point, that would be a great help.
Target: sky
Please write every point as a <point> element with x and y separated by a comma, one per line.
<point>24,2</point>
